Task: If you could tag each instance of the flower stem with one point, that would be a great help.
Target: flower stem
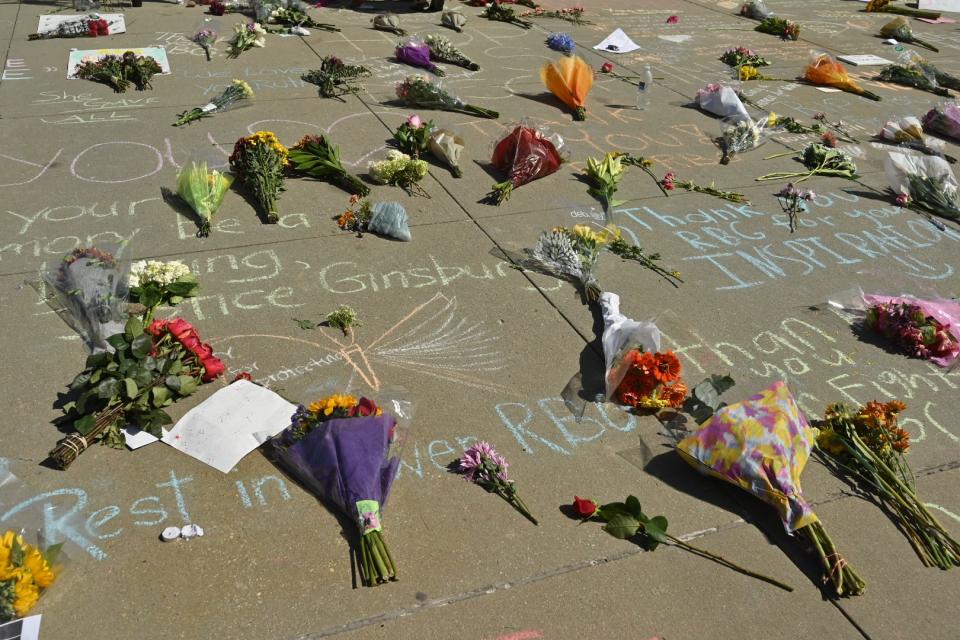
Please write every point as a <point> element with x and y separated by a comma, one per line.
<point>728,563</point>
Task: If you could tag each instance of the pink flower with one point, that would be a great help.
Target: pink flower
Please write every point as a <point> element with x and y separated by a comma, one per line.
<point>414,121</point>
<point>903,200</point>
<point>673,20</point>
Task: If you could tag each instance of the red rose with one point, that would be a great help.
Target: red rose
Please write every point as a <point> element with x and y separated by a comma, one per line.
<point>243,375</point>
<point>157,327</point>
<point>213,368</point>
<point>673,20</point>
<point>607,67</point>
<point>366,407</point>
<point>584,508</point>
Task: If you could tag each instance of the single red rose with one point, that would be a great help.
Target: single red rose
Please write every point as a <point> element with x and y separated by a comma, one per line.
<point>607,67</point>
<point>673,20</point>
<point>213,368</point>
<point>585,508</point>
<point>366,407</point>
<point>243,375</point>
<point>157,327</point>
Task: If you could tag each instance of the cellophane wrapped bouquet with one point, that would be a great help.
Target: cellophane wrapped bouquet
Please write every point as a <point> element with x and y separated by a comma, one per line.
<point>525,154</point>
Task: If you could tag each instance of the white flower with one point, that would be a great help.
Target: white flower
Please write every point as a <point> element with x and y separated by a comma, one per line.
<point>162,273</point>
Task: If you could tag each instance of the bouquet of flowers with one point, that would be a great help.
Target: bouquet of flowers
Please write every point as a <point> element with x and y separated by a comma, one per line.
<point>25,571</point>
<point>793,201</point>
<point>88,290</point>
<point>154,282</point>
<point>246,36</point>
<point>670,183</point>
<point>821,161</point>
<point>389,22</point>
<point>926,182</point>
<point>206,36</point>
<point>721,101</point>
<point>570,80</point>
<point>443,50</point>
<point>627,521</point>
<point>762,445</point>
<point>741,56</point>
<point>345,451</point>
<point>755,10</point>
<point>908,132</point>
<point>400,170</point>
<point>295,16</point>
<point>383,218</point>
<point>150,368</point>
<point>498,12</point>
<point>651,380</point>
<point>868,446</point>
<point>571,14</point>
<point>911,58</point>
<point>79,27</point>
<point>418,91</point>
<point>415,52</point>
<point>899,29</point>
<point>259,160</point>
<point>824,71</point>
<point>746,73</point>
<point>912,76</point>
<point>944,120</point>
<point>413,136</point>
<point>203,188</point>
<point>335,77</point>
<point>738,135</point>
<point>319,158</point>
<point>525,154</point>
<point>561,42</point>
<point>453,19</point>
<point>786,29</point>
<point>219,8</point>
<point>483,466</point>
<point>235,92</point>
<point>604,177</point>
<point>118,72</point>
<point>884,6</point>
<point>447,146</point>
<point>571,255</point>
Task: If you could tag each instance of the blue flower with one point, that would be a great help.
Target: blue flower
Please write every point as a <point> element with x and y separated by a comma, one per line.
<point>560,42</point>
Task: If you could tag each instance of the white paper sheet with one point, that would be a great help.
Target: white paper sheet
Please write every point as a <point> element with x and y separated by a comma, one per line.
<point>23,629</point>
<point>676,38</point>
<point>49,23</point>
<point>136,438</point>
<point>618,39</point>
<point>940,5</point>
<point>865,60</point>
<point>220,430</point>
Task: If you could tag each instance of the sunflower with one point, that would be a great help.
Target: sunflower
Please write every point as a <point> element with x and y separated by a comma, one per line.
<point>339,403</point>
<point>666,367</point>
<point>26,595</point>
<point>36,564</point>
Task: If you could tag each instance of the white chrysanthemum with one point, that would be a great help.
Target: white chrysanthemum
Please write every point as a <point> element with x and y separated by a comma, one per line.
<point>163,273</point>
<point>555,250</point>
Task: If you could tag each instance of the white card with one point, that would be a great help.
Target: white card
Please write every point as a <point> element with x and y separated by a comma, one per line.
<point>677,38</point>
<point>23,629</point>
<point>619,41</point>
<point>114,20</point>
<point>220,430</point>
<point>940,5</point>
<point>865,60</point>
<point>136,438</point>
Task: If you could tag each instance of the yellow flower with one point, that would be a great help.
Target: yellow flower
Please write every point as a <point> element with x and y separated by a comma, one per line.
<point>588,236</point>
<point>36,564</point>
<point>748,73</point>
<point>26,595</point>
<point>247,91</point>
<point>772,119</point>
<point>326,406</point>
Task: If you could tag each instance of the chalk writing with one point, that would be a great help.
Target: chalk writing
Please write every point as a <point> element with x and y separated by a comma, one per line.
<point>16,69</point>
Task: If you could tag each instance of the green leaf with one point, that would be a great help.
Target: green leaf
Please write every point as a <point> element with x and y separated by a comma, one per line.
<point>80,381</point>
<point>173,383</point>
<point>118,341</point>
<point>150,295</point>
<point>143,377</point>
<point>607,511</point>
<point>183,289</point>
<point>108,388</point>
<point>142,345</point>
<point>160,396</point>
<point>84,424</point>
<point>622,526</point>
<point>51,553</point>
<point>722,383</point>
<point>656,528</point>
<point>633,506</point>
<point>97,360</point>
<point>174,367</point>
<point>133,328</point>
<point>130,388</point>
<point>306,325</point>
<point>188,385</point>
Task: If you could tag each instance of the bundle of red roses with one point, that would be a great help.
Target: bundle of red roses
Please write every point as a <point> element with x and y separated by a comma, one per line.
<point>187,336</point>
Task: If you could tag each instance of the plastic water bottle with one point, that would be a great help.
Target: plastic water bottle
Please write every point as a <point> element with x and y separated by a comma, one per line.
<point>643,89</point>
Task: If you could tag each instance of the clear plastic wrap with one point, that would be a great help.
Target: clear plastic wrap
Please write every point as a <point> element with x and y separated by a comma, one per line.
<point>907,132</point>
<point>203,184</point>
<point>944,120</point>
<point>569,254</point>
<point>390,219</point>
<point>88,289</point>
<point>31,546</point>
<point>447,146</point>
<point>739,135</point>
<point>928,182</point>
<point>925,327</point>
<point>620,336</point>
<point>755,10</point>
<point>721,101</point>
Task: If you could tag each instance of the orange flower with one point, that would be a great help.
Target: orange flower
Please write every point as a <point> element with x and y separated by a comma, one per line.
<point>900,440</point>
<point>675,394</point>
<point>345,219</point>
<point>570,80</point>
<point>666,367</point>
<point>824,70</point>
